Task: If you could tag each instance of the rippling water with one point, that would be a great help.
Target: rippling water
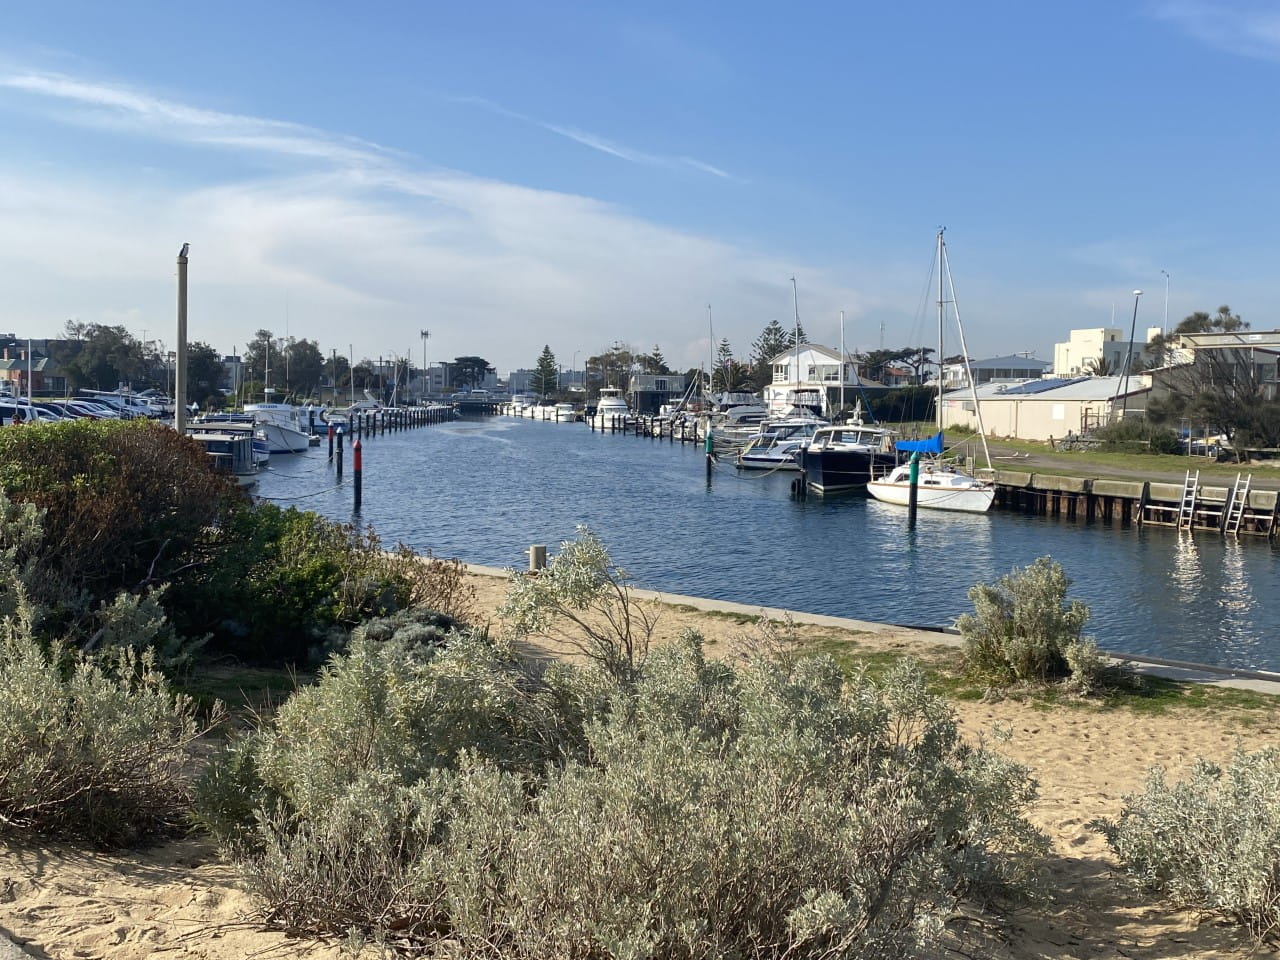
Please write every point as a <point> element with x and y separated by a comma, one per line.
<point>484,490</point>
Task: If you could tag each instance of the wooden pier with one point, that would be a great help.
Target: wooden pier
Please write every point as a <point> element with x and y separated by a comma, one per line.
<point>1231,509</point>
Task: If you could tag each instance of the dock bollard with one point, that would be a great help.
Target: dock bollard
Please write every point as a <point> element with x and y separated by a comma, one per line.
<point>356,469</point>
<point>913,493</point>
<point>331,443</point>
<point>537,558</point>
<point>339,460</point>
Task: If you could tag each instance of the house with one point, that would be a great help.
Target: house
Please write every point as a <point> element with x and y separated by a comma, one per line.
<point>1048,408</point>
<point>813,370</point>
<point>997,368</point>
<point>41,372</point>
<point>1084,349</point>
<point>649,391</point>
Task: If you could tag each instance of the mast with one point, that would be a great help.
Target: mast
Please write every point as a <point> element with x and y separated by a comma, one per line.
<point>938,402</point>
<point>964,350</point>
<point>842,361</point>
<point>795,305</point>
<point>266,373</point>
<point>711,356</point>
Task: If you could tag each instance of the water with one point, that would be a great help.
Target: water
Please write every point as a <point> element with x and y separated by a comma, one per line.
<point>484,490</point>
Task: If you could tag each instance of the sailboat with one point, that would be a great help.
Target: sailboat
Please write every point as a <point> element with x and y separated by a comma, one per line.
<point>940,484</point>
<point>280,423</point>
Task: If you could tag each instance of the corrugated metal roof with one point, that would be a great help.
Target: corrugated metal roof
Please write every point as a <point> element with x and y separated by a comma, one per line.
<point>1081,388</point>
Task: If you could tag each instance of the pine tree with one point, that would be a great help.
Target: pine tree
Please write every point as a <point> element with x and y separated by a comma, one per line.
<point>545,374</point>
<point>771,342</point>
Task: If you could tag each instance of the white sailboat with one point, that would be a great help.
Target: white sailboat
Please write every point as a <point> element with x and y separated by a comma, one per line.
<point>940,485</point>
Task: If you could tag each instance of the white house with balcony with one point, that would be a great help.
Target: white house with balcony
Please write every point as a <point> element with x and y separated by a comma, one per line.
<point>810,376</point>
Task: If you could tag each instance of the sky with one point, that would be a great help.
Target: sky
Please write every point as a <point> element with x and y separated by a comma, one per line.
<point>507,176</point>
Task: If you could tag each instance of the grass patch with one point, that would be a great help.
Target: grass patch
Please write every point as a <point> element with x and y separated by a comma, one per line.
<point>244,691</point>
<point>731,616</point>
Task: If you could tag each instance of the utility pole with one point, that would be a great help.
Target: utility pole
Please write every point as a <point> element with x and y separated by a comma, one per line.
<point>1164,331</point>
<point>180,374</point>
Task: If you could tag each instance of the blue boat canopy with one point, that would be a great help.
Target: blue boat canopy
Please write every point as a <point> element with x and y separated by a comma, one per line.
<point>930,445</point>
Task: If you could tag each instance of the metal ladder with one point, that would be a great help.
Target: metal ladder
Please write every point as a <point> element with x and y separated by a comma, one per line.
<point>1234,516</point>
<point>1187,512</point>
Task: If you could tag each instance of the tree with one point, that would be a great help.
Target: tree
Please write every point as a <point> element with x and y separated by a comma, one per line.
<point>1224,321</point>
<point>101,357</point>
<point>729,374</point>
<point>917,360</point>
<point>655,362</point>
<point>1099,367</point>
<point>545,374</point>
<point>615,365</point>
<point>874,363</point>
<point>771,342</point>
<point>204,373</point>
<point>1223,389</point>
<point>470,371</point>
<point>306,366</point>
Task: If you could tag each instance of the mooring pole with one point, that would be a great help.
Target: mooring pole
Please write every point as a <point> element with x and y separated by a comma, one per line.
<point>331,443</point>
<point>913,494</point>
<point>339,461</point>
<point>356,469</point>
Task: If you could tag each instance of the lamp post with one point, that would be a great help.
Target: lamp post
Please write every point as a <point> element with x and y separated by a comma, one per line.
<point>1128,360</point>
<point>1164,331</point>
<point>180,372</point>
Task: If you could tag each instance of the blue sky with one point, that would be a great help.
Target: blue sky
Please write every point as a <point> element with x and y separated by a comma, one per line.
<point>508,175</point>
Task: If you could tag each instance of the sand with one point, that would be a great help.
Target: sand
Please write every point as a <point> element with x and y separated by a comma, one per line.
<point>180,900</point>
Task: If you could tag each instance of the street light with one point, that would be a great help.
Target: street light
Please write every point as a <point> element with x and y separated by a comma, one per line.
<point>1165,329</point>
<point>1128,360</point>
<point>425,334</point>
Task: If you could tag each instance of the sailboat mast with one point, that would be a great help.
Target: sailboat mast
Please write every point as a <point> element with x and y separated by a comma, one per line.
<point>968,369</point>
<point>711,356</point>
<point>842,361</point>
<point>795,306</point>
<point>938,402</point>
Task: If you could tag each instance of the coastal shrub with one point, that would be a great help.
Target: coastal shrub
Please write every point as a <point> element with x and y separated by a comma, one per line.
<point>1023,630</point>
<point>455,798</point>
<point>286,582</point>
<point>90,747</point>
<point>1211,842</point>
<point>126,504</point>
<point>1137,435</point>
<point>584,599</point>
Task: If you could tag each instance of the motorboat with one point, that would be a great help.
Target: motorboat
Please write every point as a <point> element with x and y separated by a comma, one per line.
<point>281,425</point>
<point>565,412</point>
<point>847,456</point>
<point>231,453</point>
<point>611,407</point>
<point>774,447</point>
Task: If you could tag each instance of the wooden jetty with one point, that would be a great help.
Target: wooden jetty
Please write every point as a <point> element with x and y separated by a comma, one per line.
<point>1232,509</point>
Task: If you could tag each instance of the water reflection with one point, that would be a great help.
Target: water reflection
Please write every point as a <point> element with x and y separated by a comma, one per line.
<point>484,490</point>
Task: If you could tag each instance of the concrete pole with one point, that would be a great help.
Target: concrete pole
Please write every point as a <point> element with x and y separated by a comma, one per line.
<point>180,375</point>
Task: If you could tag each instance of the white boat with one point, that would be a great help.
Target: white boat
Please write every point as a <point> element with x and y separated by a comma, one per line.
<point>610,404</point>
<point>231,452</point>
<point>565,413</point>
<point>940,485</point>
<point>774,447</point>
<point>281,425</point>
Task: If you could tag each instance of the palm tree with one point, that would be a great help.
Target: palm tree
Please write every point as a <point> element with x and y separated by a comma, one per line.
<point>1099,367</point>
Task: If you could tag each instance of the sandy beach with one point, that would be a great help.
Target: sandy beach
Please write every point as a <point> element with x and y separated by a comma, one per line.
<point>180,900</point>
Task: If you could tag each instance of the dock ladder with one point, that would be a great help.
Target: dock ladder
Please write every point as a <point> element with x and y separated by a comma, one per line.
<point>1187,512</point>
<point>1232,519</point>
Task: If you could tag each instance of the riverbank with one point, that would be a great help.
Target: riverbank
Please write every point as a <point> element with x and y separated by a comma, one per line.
<point>181,898</point>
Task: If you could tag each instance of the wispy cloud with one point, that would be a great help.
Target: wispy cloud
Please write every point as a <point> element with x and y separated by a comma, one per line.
<point>1244,29</point>
<point>370,245</point>
<point>597,142</point>
<point>117,106</point>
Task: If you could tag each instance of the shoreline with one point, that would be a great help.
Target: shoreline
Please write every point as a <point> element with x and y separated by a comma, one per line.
<point>1259,681</point>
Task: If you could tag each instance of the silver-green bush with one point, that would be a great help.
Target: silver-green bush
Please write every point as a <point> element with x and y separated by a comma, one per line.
<point>1212,841</point>
<point>90,748</point>
<point>1022,629</point>
<point>454,797</point>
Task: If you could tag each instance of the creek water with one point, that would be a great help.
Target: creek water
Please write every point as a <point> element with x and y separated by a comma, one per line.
<point>484,490</point>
